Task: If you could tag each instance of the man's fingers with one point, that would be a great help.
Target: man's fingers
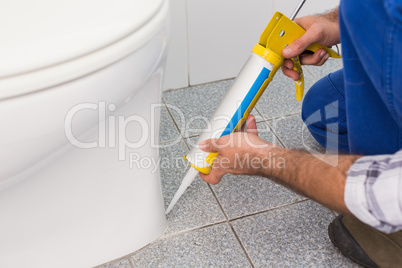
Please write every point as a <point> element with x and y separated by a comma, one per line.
<point>318,58</point>
<point>299,45</point>
<point>251,125</point>
<point>290,73</point>
<point>288,64</point>
<point>209,146</point>
<point>287,69</point>
<point>214,177</point>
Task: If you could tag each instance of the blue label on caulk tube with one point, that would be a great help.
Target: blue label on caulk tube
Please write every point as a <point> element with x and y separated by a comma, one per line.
<point>245,104</point>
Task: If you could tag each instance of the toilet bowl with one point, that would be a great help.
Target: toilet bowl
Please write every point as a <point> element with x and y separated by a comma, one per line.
<point>80,87</point>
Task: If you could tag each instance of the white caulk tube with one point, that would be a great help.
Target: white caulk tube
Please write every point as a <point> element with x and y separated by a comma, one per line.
<point>232,112</point>
<point>234,108</point>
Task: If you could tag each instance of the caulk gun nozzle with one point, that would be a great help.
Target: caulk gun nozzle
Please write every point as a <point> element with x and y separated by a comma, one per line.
<point>169,208</point>
<point>188,179</point>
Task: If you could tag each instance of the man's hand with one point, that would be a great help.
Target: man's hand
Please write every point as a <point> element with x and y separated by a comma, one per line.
<point>239,153</point>
<point>311,176</point>
<point>321,29</point>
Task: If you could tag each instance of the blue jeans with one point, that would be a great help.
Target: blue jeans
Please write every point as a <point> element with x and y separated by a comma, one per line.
<point>359,109</point>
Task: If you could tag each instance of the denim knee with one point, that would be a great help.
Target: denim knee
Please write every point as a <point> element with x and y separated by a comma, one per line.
<point>323,112</point>
<point>313,101</point>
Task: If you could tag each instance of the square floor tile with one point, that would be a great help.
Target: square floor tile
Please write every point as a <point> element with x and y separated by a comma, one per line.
<point>243,195</point>
<point>167,129</point>
<point>197,207</point>
<point>294,134</point>
<point>279,99</point>
<point>214,246</point>
<point>194,106</point>
<point>293,236</point>
<point>330,66</point>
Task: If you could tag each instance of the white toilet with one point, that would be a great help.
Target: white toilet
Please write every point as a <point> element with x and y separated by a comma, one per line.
<point>80,81</point>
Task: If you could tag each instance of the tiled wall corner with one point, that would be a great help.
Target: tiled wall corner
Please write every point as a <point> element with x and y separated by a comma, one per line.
<point>211,40</point>
<point>176,75</point>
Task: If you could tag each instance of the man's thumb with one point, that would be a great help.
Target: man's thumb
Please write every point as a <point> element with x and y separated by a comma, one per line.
<point>299,45</point>
<point>208,146</point>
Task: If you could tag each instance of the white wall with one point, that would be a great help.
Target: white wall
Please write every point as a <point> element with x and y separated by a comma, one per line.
<point>211,39</point>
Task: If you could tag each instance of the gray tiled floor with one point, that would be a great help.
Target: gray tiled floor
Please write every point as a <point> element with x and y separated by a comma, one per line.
<point>215,246</point>
<point>244,195</point>
<point>197,207</point>
<point>195,105</point>
<point>279,99</point>
<point>294,134</point>
<point>168,127</point>
<point>330,66</point>
<point>124,263</point>
<point>294,236</point>
<point>243,221</point>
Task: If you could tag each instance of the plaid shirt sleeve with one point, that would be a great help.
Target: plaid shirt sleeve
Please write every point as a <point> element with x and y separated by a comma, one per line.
<point>373,191</point>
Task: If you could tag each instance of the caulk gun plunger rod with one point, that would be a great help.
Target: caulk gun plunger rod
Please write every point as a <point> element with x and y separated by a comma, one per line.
<point>297,9</point>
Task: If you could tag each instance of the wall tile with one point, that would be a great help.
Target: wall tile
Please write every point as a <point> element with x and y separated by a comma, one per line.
<point>176,75</point>
<point>221,35</point>
<point>309,8</point>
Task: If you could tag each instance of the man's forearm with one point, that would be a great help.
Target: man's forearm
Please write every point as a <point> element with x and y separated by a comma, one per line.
<point>312,177</point>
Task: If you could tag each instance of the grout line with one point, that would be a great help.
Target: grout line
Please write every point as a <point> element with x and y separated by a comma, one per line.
<point>241,244</point>
<point>225,221</point>
<point>212,82</point>
<point>231,226</point>
<point>228,222</point>
<point>280,117</point>
<point>195,85</point>
<point>188,146</point>
<point>187,138</point>
<point>171,116</point>
<point>270,209</point>
<point>192,136</point>
<point>185,143</point>
<point>274,133</point>
<point>169,141</point>
<point>219,203</point>
<point>168,236</point>
<point>263,119</point>
<point>311,73</point>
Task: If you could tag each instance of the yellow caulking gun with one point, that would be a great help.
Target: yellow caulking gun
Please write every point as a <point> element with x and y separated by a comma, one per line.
<point>266,58</point>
